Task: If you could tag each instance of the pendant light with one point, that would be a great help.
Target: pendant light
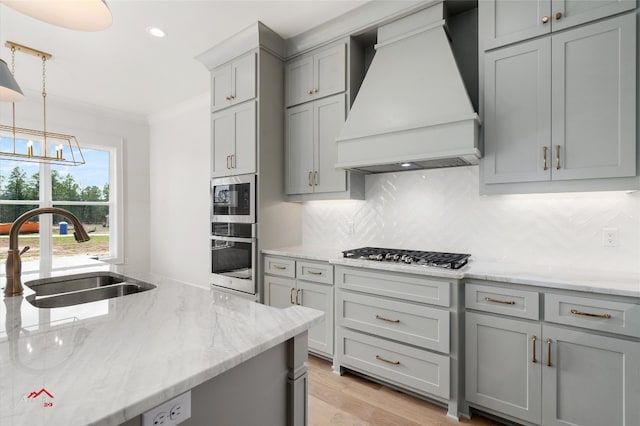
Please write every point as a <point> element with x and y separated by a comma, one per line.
<point>37,146</point>
<point>81,15</point>
<point>9,89</point>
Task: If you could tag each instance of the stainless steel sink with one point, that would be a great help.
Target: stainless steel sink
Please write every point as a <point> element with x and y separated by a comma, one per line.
<point>71,290</point>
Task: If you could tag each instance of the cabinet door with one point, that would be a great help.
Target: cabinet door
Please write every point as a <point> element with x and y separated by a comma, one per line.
<point>243,78</point>
<point>330,72</point>
<point>244,157</point>
<point>299,81</point>
<point>320,297</point>
<point>517,114</point>
<point>576,12</point>
<point>329,115</point>
<point>299,149</point>
<point>280,292</point>
<point>223,133</point>
<point>508,21</point>
<point>503,365</point>
<point>592,381</point>
<point>220,87</point>
<point>594,100</point>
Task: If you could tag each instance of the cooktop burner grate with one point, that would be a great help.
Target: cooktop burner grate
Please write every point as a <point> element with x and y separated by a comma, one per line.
<point>415,257</point>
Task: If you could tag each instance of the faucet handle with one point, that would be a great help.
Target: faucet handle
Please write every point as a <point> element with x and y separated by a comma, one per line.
<point>24,250</point>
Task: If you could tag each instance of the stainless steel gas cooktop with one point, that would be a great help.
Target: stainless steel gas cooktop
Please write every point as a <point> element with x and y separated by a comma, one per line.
<point>415,257</point>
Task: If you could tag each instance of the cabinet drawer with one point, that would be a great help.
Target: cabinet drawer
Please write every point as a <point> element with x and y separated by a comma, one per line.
<point>279,266</point>
<point>603,315</point>
<point>414,288</point>
<point>420,370</point>
<point>506,301</point>
<point>317,272</point>
<point>402,321</point>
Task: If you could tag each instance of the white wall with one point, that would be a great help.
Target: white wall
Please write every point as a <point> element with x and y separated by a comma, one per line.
<point>441,210</point>
<point>179,196</point>
<point>89,124</point>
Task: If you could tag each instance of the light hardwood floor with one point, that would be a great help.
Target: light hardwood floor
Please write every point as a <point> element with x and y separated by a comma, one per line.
<point>354,401</point>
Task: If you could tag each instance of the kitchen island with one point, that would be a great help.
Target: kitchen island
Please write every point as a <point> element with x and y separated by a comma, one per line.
<point>107,362</point>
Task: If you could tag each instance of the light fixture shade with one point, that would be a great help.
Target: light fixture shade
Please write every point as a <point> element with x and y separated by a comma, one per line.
<point>82,15</point>
<point>9,89</point>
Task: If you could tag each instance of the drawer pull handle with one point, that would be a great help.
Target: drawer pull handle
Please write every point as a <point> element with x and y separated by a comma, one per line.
<point>549,351</point>
<point>557,157</point>
<point>387,319</point>
<point>280,267</point>
<point>314,272</point>
<point>379,358</point>
<point>589,314</point>
<point>291,293</point>
<point>504,302</point>
<point>533,358</point>
<point>299,297</point>
<point>544,158</point>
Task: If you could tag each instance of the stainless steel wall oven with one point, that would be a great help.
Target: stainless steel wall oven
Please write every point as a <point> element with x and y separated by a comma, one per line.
<point>234,256</point>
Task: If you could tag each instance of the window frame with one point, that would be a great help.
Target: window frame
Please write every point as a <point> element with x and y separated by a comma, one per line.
<point>114,146</point>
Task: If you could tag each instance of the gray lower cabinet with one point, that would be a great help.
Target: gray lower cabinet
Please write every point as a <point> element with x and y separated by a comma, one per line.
<point>289,281</point>
<point>399,328</point>
<point>541,373</point>
<point>562,107</point>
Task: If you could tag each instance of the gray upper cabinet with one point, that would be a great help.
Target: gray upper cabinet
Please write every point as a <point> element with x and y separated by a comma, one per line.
<point>517,116</point>
<point>562,107</point>
<point>234,140</point>
<point>315,76</point>
<point>511,21</point>
<point>310,146</point>
<point>234,82</point>
<point>593,101</point>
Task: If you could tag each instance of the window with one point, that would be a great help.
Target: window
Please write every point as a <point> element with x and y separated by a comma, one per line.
<point>88,191</point>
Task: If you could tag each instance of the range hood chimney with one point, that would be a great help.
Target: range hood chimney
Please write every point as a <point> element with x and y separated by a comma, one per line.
<point>413,110</point>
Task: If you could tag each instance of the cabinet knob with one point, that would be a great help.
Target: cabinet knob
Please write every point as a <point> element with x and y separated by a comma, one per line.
<point>231,97</point>
<point>228,98</point>
<point>315,90</point>
<point>545,19</point>
<point>558,15</point>
<point>310,92</point>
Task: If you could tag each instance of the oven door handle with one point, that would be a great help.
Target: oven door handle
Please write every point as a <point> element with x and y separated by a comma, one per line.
<point>234,239</point>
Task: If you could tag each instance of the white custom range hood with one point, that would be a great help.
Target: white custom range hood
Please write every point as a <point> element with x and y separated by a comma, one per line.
<point>413,110</point>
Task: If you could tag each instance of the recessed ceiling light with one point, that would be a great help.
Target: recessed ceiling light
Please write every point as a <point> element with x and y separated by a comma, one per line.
<point>405,165</point>
<point>156,32</point>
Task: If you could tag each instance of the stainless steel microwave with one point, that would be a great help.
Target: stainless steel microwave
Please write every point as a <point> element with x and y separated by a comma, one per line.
<point>234,199</point>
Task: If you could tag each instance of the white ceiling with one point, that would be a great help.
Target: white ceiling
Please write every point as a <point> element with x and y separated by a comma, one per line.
<point>125,69</point>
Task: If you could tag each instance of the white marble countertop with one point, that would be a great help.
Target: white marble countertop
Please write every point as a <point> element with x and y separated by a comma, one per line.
<point>594,281</point>
<point>108,361</point>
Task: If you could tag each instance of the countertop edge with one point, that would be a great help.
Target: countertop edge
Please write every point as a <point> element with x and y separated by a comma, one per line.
<point>597,281</point>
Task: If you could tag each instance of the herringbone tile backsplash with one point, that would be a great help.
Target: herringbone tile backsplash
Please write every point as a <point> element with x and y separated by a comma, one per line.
<point>442,210</point>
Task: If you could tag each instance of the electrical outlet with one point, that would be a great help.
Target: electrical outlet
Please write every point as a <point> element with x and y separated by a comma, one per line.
<point>610,237</point>
<point>169,413</point>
